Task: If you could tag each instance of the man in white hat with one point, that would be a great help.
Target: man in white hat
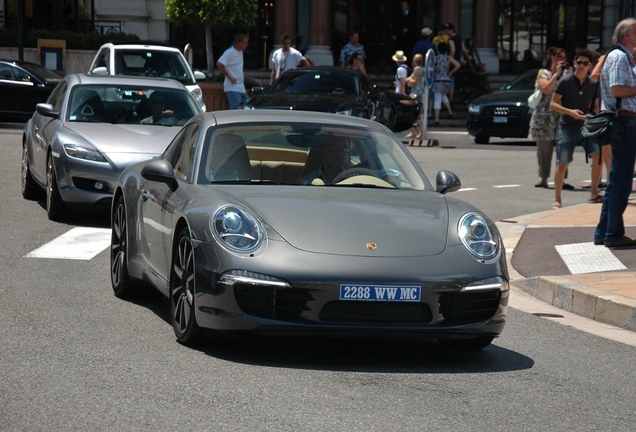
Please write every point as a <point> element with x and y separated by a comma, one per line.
<point>402,71</point>
<point>424,44</point>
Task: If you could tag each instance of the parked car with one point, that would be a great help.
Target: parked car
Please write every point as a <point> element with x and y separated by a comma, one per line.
<point>91,128</point>
<point>337,90</point>
<point>259,235</point>
<point>22,86</point>
<point>148,61</point>
<point>504,113</point>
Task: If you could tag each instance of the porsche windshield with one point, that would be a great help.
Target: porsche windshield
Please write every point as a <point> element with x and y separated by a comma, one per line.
<point>307,154</point>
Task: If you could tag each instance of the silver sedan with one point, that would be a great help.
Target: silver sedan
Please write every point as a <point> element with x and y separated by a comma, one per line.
<point>90,129</point>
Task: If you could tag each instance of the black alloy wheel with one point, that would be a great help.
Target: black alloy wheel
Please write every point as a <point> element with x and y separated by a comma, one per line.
<point>119,277</point>
<point>182,286</point>
<point>30,189</point>
<point>55,208</point>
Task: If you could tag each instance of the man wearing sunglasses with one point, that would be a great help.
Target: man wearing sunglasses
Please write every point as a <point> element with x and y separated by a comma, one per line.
<point>575,95</point>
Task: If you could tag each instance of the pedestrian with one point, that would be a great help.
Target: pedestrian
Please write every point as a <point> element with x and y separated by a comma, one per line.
<point>356,63</point>
<point>457,48</point>
<point>404,28</point>
<point>286,58</point>
<point>401,73</point>
<point>606,150</point>
<point>231,65</point>
<point>441,82</point>
<point>544,123</point>
<point>354,46</point>
<point>575,95</point>
<point>618,83</point>
<point>417,81</point>
<point>424,44</point>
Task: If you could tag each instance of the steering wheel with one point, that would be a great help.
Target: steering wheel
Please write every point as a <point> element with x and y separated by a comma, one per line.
<point>350,172</point>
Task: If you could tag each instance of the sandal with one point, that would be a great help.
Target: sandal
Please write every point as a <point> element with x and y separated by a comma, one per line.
<point>556,205</point>
<point>597,200</point>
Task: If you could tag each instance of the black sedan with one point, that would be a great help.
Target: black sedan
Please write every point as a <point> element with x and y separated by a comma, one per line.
<point>306,223</point>
<point>505,113</point>
<point>337,90</point>
<point>23,85</point>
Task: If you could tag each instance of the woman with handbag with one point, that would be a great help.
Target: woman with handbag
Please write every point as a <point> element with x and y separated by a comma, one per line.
<point>544,122</point>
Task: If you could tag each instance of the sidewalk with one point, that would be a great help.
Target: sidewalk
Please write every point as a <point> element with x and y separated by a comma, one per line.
<point>605,296</point>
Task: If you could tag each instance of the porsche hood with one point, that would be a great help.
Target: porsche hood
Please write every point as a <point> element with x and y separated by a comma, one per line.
<point>356,222</point>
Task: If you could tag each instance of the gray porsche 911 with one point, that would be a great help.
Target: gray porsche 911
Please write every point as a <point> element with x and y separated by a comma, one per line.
<point>305,223</point>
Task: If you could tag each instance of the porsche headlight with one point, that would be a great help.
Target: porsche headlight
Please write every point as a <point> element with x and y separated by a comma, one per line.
<point>236,229</point>
<point>476,234</point>
<point>347,112</point>
<point>85,151</point>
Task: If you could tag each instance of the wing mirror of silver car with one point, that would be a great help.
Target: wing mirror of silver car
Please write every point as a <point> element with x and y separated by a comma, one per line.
<point>47,110</point>
<point>446,182</point>
<point>160,170</point>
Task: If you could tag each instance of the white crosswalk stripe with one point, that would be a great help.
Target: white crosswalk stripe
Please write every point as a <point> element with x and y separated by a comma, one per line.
<point>76,244</point>
<point>588,258</point>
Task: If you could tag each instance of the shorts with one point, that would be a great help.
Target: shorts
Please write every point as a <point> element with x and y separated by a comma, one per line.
<point>452,83</point>
<point>234,99</point>
<point>569,138</point>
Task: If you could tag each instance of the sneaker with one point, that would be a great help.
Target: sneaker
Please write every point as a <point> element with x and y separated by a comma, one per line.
<point>567,186</point>
<point>541,185</point>
<point>621,242</point>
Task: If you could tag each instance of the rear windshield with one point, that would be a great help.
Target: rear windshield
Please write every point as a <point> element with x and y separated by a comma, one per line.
<point>166,64</point>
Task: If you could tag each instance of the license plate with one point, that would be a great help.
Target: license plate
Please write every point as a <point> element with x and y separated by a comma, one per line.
<point>380,293</point>
<point>499,119</point>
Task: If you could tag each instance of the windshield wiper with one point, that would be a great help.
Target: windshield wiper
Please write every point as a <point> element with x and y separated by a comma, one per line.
<point>246,181</point>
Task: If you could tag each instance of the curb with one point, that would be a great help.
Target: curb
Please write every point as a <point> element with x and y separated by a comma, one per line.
<point>563,291</point>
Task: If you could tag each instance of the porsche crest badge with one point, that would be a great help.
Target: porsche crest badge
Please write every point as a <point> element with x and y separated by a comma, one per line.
<point>372,246</point>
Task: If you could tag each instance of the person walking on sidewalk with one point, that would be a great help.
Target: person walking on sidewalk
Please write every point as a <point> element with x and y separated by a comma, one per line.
<point>618,83</point>
<point>231,65</point>
<point>574,96</point>
<point>544,123</point>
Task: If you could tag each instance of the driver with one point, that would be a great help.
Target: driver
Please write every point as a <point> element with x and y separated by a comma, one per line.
<point>161,114</point>
<point>335,159</point>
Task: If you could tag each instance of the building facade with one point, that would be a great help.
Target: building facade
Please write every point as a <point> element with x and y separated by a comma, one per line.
<point>508,35</point>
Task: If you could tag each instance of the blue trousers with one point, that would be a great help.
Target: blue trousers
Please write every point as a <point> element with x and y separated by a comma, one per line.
<point>611,226</point>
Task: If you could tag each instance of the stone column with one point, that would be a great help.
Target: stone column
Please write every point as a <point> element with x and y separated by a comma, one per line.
<point>449,11</point>
<point>319,50</point>
<point>486,34</point>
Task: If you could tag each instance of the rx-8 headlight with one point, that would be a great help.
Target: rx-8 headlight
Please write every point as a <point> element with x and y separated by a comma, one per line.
<point>84,151</point>
<point>478,236</point>
<point>236,229</point>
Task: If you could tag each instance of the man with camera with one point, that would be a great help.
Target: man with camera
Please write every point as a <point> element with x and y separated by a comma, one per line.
<point>575,95</point>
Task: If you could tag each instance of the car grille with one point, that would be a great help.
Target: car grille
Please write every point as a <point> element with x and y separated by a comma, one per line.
<point>509,111</point>
<point>376,312</point>
<point>271,302</point>
<point>465,307</point>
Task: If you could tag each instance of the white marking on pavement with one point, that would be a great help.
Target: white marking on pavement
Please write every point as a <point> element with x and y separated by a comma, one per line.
<point>77,244</point>
<point>588,258</point>
<point>466,189</point>
<point>507,186</point>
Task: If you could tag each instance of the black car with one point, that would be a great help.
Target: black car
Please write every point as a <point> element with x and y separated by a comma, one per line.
<point>504,113</point>
<point>337,90</point>
<point>23,85</point>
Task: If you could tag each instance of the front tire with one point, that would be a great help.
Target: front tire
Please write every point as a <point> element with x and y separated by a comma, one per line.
<point>482,139</point>
<point>55,208</point>
<point>119,277</point>
<point>182,291</point>
<point>30,189</point>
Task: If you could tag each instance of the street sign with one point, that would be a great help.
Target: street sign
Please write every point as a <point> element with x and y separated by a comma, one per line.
<point>429,67</point>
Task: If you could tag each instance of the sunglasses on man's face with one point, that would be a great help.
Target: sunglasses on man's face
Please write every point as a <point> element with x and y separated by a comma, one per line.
<point>582,63</point>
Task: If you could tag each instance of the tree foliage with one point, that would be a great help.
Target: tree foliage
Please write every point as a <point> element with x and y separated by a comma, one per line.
<point>214,14</point>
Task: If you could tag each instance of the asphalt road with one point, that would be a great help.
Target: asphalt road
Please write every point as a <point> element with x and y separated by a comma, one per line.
<point>74,357</point>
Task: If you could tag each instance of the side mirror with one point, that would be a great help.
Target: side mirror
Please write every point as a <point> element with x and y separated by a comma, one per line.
<point>101,70</point>
<point>447,181</point>
<point>160,170</point>
<point>198,75</point>
<point>47,110</point>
